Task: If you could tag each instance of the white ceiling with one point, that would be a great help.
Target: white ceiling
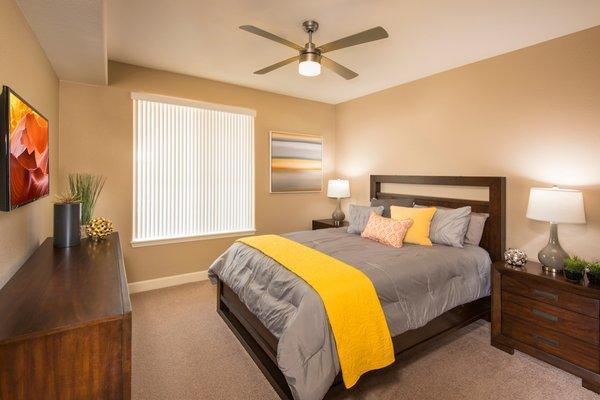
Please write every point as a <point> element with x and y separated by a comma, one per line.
<point>73,35</point>
<point>202,38</point>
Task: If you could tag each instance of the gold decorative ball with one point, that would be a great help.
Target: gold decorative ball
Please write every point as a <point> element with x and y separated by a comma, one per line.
<point>99,228</point>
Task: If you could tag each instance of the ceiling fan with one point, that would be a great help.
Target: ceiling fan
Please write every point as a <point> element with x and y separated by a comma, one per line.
<point>310,56</point>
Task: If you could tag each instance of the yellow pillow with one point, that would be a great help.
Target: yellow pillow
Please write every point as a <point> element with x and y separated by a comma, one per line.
<point>418,233</point>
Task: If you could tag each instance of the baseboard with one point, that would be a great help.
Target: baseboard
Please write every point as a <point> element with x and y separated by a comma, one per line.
<point>174,280</point>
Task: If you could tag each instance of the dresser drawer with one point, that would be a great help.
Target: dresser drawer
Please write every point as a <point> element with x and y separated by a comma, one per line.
<point>573,350</point>
<point>547,316</point>
<point>569,301</point>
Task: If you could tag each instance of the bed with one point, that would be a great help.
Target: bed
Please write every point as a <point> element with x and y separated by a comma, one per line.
<point>458,293</point>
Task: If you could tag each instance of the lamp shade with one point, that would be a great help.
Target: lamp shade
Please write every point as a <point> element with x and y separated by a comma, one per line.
<point>561,206</point>
<point>338,188</point>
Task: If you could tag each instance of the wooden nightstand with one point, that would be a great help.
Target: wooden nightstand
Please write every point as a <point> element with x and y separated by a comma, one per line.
<point>549,318</point>
<point>326,223</point>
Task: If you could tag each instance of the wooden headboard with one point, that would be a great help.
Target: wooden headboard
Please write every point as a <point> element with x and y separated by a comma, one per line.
<point>494,234</point>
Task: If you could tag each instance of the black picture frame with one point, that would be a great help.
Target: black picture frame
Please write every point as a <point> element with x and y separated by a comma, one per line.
<point>5,179</point>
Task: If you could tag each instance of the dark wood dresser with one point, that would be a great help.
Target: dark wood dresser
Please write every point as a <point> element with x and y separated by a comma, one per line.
<point>549,318</point>
<point>65,325</point>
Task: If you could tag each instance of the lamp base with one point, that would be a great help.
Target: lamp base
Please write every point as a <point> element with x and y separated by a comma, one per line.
<point>338,215</point>
<point>551,270</point>
<point>553,255</point>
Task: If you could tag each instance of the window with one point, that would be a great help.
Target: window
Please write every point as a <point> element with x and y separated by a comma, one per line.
<point>193,170</point>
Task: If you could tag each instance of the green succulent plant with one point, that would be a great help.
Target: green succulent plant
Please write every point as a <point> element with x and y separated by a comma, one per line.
<point>575,264</point>
<point>594,268</point>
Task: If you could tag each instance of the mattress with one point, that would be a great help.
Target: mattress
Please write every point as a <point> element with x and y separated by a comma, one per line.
<point>414,284</point>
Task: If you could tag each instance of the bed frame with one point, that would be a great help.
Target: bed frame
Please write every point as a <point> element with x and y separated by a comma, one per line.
<point>262,345</point>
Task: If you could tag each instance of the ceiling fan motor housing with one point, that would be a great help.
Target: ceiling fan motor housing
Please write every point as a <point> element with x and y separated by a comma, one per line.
<point>310,53</point>
<point>309,56</point>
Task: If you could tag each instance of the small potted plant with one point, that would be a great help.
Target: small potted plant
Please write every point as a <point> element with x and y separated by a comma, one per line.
<point>593,273</point>
<point>574,269</point>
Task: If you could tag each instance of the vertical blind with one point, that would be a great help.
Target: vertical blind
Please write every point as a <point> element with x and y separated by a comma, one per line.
<point>193,167</point>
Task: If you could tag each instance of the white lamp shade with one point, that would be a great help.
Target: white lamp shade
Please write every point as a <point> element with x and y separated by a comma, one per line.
<point>561,206</point>
<point>338,188</point>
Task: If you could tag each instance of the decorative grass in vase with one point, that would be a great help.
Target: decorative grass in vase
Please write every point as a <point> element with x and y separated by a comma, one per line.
<point>67,198</point>
<point>67,210</point>
<point>87,188</point>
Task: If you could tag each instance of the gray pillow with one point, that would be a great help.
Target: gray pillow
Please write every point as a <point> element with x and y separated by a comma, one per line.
<point>475,230</point>
<point>359,216</point>
<point>387,203</point>
<point>449,225</point>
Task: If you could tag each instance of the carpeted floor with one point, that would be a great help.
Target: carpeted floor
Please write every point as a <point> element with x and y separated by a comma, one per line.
<point>183,350</point>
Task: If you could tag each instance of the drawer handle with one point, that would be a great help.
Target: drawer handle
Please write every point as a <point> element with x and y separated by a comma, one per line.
<point>545,295</point>
<point>544,315</point>
<point>553,343</point>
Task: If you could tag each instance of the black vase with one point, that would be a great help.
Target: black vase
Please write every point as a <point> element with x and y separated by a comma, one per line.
<point>66,224</point>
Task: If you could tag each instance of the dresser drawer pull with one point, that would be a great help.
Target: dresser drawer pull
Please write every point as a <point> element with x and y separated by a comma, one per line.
<point>553,343</point>
<point>544,315</point>
<point>545,295</point>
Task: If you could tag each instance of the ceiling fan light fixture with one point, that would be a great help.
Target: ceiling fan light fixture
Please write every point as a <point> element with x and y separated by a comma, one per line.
<point>309,68</point>
<point>310,64</point>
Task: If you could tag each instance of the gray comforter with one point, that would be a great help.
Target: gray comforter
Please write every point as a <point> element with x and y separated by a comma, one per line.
<point>414,283</point>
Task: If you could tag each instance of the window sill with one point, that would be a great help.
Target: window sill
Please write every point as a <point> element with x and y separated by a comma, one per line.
<point>158,242</point>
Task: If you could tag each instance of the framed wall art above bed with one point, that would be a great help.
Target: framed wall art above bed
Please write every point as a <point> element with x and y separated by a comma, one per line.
<point>296,162</point>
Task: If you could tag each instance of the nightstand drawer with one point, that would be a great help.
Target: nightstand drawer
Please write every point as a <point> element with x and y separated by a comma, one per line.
<point>326,224</point>
<point>570,301</point>
<point>573,350</point>
<point>547,316</point>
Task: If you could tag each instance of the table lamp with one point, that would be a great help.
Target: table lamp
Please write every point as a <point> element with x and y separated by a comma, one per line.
<point>557,206</point>
<point>338,189</point>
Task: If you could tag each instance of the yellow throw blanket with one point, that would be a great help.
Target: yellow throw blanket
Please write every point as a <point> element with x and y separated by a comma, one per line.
<point>355,315</point>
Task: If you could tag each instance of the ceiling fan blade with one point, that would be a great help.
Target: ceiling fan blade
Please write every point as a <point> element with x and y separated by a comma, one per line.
<point>338,68</point>
<point>352,40</point>
<point>265,34</point>
<point>278,65</point>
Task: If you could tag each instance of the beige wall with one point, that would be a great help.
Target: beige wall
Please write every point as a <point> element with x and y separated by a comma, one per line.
<point>532,115</point>
<point>24,67</point>
<point>96,136</point>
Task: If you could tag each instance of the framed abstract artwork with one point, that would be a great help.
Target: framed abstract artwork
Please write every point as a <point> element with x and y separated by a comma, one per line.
<point>24,152</point>
<point>296,162</point>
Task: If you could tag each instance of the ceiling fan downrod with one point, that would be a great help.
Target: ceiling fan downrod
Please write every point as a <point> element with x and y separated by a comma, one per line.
<point>310,57</point>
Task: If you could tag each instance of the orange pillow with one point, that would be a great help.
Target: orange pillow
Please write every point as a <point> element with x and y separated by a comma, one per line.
<point>388,231</point>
